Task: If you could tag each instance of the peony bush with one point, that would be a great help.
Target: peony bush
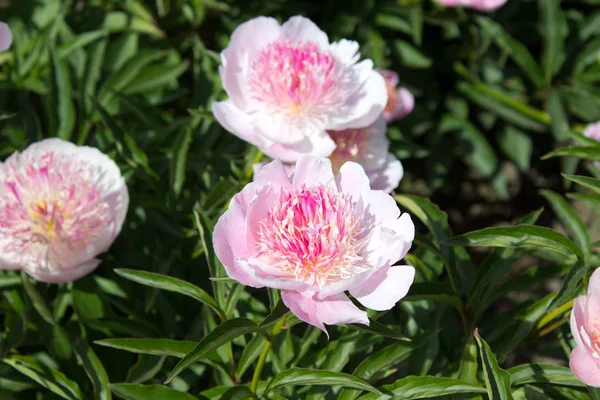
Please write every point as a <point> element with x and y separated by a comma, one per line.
<point>300,200</point>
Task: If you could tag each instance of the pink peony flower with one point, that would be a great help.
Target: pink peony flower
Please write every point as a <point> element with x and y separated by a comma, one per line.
<point>592,131</point>
<point>60,206</point>
<point>400,100</point>
<point>5,36</point>
<point>315,236</point>
<point>287,85</point>
<point>481,5</point>
<point>585,327</point>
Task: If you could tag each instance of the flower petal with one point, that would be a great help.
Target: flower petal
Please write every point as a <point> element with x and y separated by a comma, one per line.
<point>388,177</point>
<point>229,238</point>
<point>64,274</point>
<point>5,36</point>
<point>320,145</point>
<point>237,122</point>
<point>246,41</point>
<point>385,288</point>
<point>585,367</point>
<point>353,180</point>
<point>332,310</point>
<point>299,28</point>
<point>578,319</point>
<point>366,104</point>
<point>313,171</point>
<point>273,173</point>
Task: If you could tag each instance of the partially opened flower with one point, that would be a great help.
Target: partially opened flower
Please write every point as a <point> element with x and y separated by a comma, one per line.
<point>481,5</point>
<point>585,327</point>
<point>287,85</point>
<point>368,147</point>
<point>5,36</point>
<point>60,206</point>
<point>592,131</point>
<point>400,100</point>
<point>314,237</point>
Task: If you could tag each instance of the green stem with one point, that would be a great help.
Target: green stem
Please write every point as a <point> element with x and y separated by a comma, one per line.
<point>265,352</point>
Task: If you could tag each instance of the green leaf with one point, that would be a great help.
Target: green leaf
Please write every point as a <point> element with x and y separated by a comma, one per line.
<point>389,356</point>
<point>279,311</point>
<point>520,236</point>
<point>153,77</point>
<point>157,347</point>
<point>556,109</point>
<point>553,28</point>
<point>79,42</point>
<point>517,51</point>
<point>517,145</point>
<point>586,181</point>
<point>468,362</point>
<point>171,284</point>
<point>461,274</point>
<point>424,387</point>
<point>130,391</point>
<point>219,336</point>
<point>62,92</point>
<point>179,153</point>
<point>497,380</point>
<point>434,291</point>
<point>119,21</point>
<point>121,78</point>
<point>379,329</point>
<point>410,56</point>
<point>36,299</point>
<point>312,377</point>
<point>570,285</point>
<point>570,219</point>
<point>511,333</point>
<point>49,378</point>
<point>136,156</point>
<point>238,393</point>
<point>251,352</point>
<point>94,369</point>
<point>585,152</point>
<point>543,374</point>
<point>478,152</point>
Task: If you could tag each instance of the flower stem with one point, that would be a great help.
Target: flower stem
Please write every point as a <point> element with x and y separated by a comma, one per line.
<point>265,352</point>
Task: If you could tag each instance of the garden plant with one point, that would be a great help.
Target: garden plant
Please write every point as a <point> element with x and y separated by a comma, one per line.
<point>376,199</point>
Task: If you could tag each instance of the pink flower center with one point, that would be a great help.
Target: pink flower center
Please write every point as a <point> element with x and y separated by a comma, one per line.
<point>299,80</point>
<point>314,235</point>
<point>50,207</point>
